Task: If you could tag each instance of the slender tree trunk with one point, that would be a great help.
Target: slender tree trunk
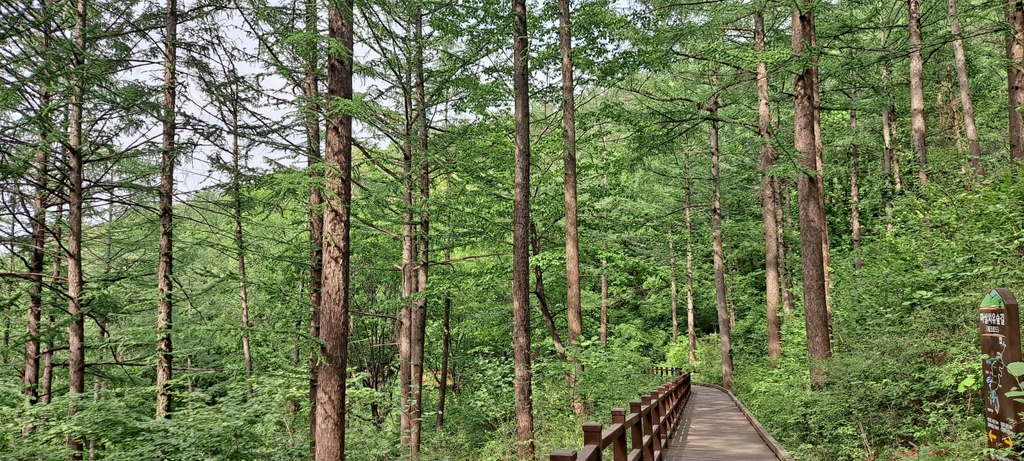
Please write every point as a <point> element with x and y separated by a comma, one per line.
<point>334,312</point>
<point>167,164</point>
<point>542,297</point>
<point>521,235</point>
<point>409,282</point>
<point>76,329</point>
<point>316,217</point>
<point>854,188</point>
<point>819,164</point>
<point>672,287</point>
<point>917,89</point>
<point>30,377</point>
<point>47,379</point>
<point>604,297</point>
<point>243,292</point>
<point>1015,76</point>
<point>888,152</point>
<point>419,317</point>
<point>446,343</point>
<point>716,223</point>
<point>965,91</point>
<point>574,312</point>
<point>785,281</point>
<point>809,188</point>
<point>691,331</point>
<point>768,159</point>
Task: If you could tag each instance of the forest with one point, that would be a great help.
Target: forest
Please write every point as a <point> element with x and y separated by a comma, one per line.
<point>425,230</point>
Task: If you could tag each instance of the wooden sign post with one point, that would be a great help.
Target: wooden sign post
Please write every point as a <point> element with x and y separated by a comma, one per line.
<point>1000,342</point>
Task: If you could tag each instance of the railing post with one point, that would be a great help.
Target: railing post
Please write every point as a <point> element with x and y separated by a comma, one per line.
<point>619,451</point>
<point>636,431</point>
<point>563,455</point>
<point>648,427</point>
<point>656,421</point>
<point>665,412</point>
<point>592,437</point>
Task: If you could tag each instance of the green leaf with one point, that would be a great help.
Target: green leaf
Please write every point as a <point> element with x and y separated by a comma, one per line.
<point>1015,368</point>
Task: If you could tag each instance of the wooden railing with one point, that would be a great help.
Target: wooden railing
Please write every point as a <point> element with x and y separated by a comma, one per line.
<point>647,427</point>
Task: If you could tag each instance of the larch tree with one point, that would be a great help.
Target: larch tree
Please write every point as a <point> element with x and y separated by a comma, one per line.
<point>521,235</point>
<point>334,311</point>
<point>168,159</point>
<point>917,89</point>
<point>960,61</point>
<point>769,157</point>
<point>76,199</point>
<point>314,163</point>
<point>810,190</point>
<point>1015,76</point>
<point>724,323</point>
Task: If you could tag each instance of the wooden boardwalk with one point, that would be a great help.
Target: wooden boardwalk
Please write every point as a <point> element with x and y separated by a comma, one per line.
<point>713,428</point>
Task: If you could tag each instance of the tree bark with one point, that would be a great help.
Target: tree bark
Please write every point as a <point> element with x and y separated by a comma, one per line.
<point>572,244</point>
<point>76,198</point>
<point>768,159</point>
<point>165,269</point>
<point>858,263</point>
<point>888,153</point>
<point>785,281</point>
<point>243,291</point>
<point>716,224</point>
<point>316,202</point>
<point>672,287</point>
<point>521,235</point>
<point>1015,76</point>
<point>334,313</point>
<point>809,188</point>
<point>691,331</point>
<point>446,344</point>
<point>960,61</point>
<point>917,89</point>
<point>419,317</point>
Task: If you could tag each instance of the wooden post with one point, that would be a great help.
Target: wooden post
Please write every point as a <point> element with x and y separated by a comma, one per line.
<point>592,437</point>
<point>648,427</point>
<point>619,451</point>
<point>637,430</point>
<point>656,415</point>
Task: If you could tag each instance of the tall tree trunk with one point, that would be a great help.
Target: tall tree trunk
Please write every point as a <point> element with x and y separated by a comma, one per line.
<point>604,296</point>
<point>574,312</point>
<point>819,151</point>
<point>917,89</point>
<point>1015,76</point>
<point>965,91</point>
<point>785,281</point>
<point>691,331</point>
<point>854,188</point>
<point>47,379</point>
<point>316,202</point>
<point>243,291</point>
<point>521,235</point>
<point>888,153</point>
<point>716,224</point>
<point>419,317</point>
<point>76,198</point>
<point>167,164</point>
<point>409,282</point>
<point>334,312</point>
<point>809,188</point>
<point>672,287</point>
<point>768,159</point>
<point>446,344</point>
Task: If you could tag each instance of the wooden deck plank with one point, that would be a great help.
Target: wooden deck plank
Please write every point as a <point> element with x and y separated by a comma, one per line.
<point>713,428</point>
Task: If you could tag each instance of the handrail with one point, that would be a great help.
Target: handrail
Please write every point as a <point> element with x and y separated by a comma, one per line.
<point>648,426</point>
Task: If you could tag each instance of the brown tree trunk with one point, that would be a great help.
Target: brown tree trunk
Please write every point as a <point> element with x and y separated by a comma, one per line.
<point>243,291</point>
<point>785,281</point>
<point>672,287</point>
<point>76,329</point>
<point>409,282</point>
<point>542,297</point>
<point>521,235</point>
<point>446,343</point>
<point>604,297</point>
<point>167,164</point>
<point>334,312</point>
<point>965,91</point>
<point>819,150</point>
<point>691,331</point>
<point>47,379</point>
<point>888,152</point>
<point>854,189</point>
<point>809,188</point>
<point>768,159</point>
<point>316,217</point>
<point>716,223</point>
<point>1015,76</point>
<point>917,89</point>
<point>419,317</point>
